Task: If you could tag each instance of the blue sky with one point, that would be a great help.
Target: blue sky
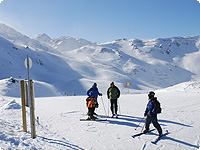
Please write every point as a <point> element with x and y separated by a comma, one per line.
<point>103,20</point>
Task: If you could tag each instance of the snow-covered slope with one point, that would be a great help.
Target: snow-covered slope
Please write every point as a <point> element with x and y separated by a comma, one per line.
<point>147,64</point>
<point>191,86</point>
<point>47,66</point>
<point>71,65</point>
<point>59,127</point>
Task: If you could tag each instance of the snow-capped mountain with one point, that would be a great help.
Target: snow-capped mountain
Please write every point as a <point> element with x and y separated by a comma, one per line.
<point>63,43</point>
<point>146,64</point>
<point>48,68</point>
<point>70,66</point>
<point>169,63</point>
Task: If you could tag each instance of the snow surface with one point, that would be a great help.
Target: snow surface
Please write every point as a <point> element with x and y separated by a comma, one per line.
<point>59,126</point>
<point>68,66</point>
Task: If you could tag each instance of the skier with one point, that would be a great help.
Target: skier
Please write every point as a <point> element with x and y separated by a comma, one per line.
<point>113,94</point>
<point>93,94</point>
<point>151,113</point>
<point>91,104</point>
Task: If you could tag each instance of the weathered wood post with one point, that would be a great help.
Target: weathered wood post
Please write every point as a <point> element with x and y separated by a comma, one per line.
<point>33,109</point>
<point>22,87</point>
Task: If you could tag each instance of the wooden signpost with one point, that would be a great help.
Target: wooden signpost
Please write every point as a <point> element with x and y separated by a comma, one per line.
<point>27,98</point>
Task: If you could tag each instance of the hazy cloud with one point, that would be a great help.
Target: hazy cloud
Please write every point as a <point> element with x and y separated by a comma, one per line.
<point>1,1</point>
<point>198,1</point>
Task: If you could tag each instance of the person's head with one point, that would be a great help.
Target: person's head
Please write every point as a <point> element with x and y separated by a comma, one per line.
<point>111,84</point>
<point>94,85</point>
<point>151,94</point>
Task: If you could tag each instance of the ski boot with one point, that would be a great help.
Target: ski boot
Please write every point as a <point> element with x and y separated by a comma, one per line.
<point>116,115</point>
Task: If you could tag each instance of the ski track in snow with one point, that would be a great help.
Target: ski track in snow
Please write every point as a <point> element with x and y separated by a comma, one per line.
<point>59,126</point>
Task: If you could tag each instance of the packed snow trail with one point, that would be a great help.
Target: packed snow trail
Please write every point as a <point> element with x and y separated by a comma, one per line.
<point>60,127</point>
<point>12,137</point>
<point>115,133</point>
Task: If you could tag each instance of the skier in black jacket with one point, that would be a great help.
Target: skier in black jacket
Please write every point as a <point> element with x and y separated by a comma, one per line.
<point>151,113</point>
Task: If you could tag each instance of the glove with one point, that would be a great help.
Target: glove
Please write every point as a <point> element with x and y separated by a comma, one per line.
<point>145,114</point>
<point>151,113</point>
<point>97,105</point>
<point>100,94</point>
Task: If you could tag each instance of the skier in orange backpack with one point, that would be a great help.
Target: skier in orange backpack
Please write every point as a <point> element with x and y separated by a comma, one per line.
<point>92,103</point>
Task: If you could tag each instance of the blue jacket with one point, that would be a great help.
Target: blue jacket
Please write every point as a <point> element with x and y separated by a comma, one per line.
<point>94,92</point>
<point>151,107</point>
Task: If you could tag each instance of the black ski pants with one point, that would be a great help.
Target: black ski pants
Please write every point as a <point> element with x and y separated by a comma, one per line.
<point>113,106</point>
<point>91,111</point>
<point>154,120</point>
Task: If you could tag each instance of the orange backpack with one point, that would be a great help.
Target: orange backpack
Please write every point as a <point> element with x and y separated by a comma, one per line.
<point>91,102</point>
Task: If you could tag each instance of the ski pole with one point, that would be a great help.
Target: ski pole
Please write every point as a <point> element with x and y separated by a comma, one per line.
<point>108,107</point>
<point>142,128</point>
<point>139,123</point>
<point>103,106</point>
<point>119,107</point>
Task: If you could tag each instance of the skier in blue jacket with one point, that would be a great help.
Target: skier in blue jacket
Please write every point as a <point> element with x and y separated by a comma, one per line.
<point>151,113</point>
<point>93,92</point>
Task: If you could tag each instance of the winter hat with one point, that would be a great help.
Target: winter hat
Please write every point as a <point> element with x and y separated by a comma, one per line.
<point>151,94</point>
<point>112,83</point>
<point>94,84</point>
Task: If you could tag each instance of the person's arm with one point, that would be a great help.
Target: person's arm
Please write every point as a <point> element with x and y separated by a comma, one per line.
<point>153,109</point>
<point>88,92</point>
<point>146,111</point>
<point>100,94</point>
<point>108,93</point>
<point>155,106</point>
<point>118,92</point>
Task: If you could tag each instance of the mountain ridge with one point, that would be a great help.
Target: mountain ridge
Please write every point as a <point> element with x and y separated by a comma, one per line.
<point>71,65</point>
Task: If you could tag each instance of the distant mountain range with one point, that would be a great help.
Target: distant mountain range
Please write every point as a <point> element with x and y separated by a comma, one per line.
<point>68,66</point>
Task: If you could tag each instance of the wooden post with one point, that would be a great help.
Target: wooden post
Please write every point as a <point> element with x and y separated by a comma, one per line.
<point>32,110</point>
<point>23,105</point>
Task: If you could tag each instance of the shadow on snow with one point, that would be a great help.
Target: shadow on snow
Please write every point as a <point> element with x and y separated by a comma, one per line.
<point>132,121</point>
<point>166,137</point>
<point>128,119</point>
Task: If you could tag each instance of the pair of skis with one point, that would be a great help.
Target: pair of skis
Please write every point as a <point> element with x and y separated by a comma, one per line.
<point>98,119</point>
<point>101,118</point>
<point>155,140</point>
